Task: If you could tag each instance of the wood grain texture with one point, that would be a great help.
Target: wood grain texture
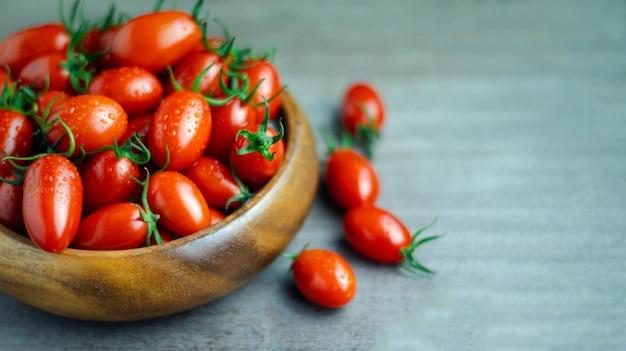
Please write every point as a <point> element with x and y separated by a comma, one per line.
<point>506,121</point>
<point>174,277</point>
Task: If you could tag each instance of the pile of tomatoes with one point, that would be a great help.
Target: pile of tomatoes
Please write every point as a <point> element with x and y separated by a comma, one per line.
<point>128,131</point>
<point>323,276</point>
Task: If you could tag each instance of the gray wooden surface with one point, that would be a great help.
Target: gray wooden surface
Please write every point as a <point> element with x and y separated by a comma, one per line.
<point>507,120</point>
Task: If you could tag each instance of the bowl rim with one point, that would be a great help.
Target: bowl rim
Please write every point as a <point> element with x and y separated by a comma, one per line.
<point>290,113</point>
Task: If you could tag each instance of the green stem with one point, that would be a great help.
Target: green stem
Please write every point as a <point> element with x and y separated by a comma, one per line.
<point>410,264</point>
<point>146,213</point>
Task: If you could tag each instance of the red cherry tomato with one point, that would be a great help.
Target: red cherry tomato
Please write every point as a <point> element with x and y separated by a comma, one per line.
<point>227,121</point>
<point>138,125</point>
<point>179,202</point>
<point>155,40</point>
<point>253,168</point>
<point>216,216</point>
<point>271,85</point>
<point>35,72</point>
<point>134,88</point>
<point>324,278</point>
<point>193,65</point>
<point>11,209</point>
<point>362,107</point>
<point>16,137</point>
<point>380,236</point>
<point>95,120</point>
<point>52,204</point>
<point>182,125</point>
<point>51,100</point>
<point>106,171</point>
<point>114,227</point>
<point>351,179</point>
<point>24,46</point>
<point>216,183</point>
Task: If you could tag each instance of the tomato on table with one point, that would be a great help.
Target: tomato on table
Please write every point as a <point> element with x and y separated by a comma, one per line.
<point>324,277</point>
<point>178,202</point>
<point>95,120</point>
<point>182,127</point>
<point>52,203</point>
<point>215,181</point>
<point>363,113</point>
<point>380,236</point>
<point>26,45</point>
<point>351,179</point>
<point>134,88</point>
<point>155,40</point>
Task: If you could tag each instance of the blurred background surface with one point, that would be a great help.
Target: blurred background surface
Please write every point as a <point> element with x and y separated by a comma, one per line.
<point>506,120</point>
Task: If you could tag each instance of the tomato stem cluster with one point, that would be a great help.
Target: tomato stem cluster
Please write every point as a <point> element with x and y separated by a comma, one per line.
<point>410,264</point>
<point>146,213</point>
<point>241,198</point>
<point>260,142</point>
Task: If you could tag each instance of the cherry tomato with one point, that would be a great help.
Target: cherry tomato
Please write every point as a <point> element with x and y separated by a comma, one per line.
<point>138,125</point>
<point>51,100</point>
<point>114,227</point>
<point>182,125</point>
<point>193,65</point>
<point>35,72</point>
<point>24,46</point>
<point>52,204</point>
<point>324,278</point>
<point>271,85</point>
<point>106,171</point>
<point>351,179</point>
<point>155,40</point>
<point>179,202</point>
<point>11,209</point>
<point>95,120</point>
<point>362,107</point>
<point>253,168</point>
<point>227,121</point>
<point>215,182</point>
<point>380,236</point>
<point>216,216</point>
<point>134,88</point>
<point>16,137</point>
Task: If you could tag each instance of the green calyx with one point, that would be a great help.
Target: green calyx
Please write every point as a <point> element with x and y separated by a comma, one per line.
<point>367,133</point>
<point>345,141</point>
<point>18,98</point>
<point>223,50</point>
<point>261,142</point>
<point>146,213</point>
<point>77,63</point>
<point>133,149</point>
<point>410,264</point>
<point>241,198</point>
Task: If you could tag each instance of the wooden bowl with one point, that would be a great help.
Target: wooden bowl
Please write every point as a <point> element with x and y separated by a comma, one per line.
<point>179,275</point>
